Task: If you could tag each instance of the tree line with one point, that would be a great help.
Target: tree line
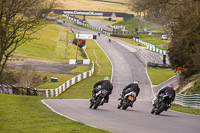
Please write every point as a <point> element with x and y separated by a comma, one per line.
<point>19,19</point>
<point>183,17</point>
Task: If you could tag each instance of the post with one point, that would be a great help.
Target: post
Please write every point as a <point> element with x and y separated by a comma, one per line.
<point>77,49</point>
<point>68,40</point>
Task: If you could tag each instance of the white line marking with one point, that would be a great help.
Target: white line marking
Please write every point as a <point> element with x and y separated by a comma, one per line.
<point>108,59</point>
<point>65,115</point>
<point>96,61</point>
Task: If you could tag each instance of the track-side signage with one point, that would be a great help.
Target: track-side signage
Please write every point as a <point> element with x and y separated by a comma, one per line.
<point>84,36</point>
<point>90,13</point>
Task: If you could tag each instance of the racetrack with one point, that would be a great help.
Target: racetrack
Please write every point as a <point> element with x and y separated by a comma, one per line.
<point>126,68</point>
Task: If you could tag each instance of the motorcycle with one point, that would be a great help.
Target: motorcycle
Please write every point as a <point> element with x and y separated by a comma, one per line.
<point>127,101</point>
<point>100,95</point>
<point>162,103</point>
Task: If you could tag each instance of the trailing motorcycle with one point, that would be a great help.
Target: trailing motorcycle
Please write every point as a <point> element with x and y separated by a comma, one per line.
<point>162,103</point>
<point>100,95</point>
<point>127,101</point>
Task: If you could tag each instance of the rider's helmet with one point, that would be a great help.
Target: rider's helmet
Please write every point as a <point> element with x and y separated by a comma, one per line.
<point>170,85</point>
<point>106,78</point>
<point>135,82</point>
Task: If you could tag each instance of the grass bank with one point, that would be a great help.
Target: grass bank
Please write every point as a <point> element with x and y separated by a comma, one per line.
<point>50,44</point>
<point>158,76</point>
<point>185,109</point>
<point>134,23</point>
<point>27,114</point>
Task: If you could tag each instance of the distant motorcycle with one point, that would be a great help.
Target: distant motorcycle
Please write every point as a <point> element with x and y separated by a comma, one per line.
<point>100,95</point>
<point>127,101</point>
<point>162,103</point>
<point>109,40</point>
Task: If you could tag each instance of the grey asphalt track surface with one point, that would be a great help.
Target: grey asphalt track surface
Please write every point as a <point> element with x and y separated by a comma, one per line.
<point>126,68</point>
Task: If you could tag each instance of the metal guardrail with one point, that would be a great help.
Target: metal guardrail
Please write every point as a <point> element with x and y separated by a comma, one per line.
<point>188,100</point>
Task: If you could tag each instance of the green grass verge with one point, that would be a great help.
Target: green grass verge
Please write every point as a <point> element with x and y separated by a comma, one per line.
<point>50,45</point>
<point>26,114</point>
<point>135,23</point>
<point>158,76</point>
<point>81,69</point>
<point>62,78</point>
<point>152,39</point>
<point>185,109</point>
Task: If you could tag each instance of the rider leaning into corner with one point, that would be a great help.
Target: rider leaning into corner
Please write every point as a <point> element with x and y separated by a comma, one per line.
<point>166,90</point>
<point>105,84</point>
<point>131,87</point>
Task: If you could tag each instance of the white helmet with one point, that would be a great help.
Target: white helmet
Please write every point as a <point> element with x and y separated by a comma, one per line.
<point>135,82</point>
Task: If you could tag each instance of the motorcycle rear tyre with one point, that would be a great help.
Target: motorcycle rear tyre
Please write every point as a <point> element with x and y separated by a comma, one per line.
<point>98,101</point>
<point>125,106</point>
<point>161,109</point>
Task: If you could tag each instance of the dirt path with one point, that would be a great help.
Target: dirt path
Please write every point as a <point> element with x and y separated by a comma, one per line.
<point>43,66</point>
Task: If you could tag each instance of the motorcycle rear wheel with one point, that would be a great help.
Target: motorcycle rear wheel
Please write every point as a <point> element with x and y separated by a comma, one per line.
<point>98,101</point>
<point>161,109</point>
<point>125,106</point>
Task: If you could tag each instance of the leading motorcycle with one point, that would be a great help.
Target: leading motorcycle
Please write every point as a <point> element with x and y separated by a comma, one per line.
<point>127,101</point>
<point>100,95</point>
<point>162,103</point>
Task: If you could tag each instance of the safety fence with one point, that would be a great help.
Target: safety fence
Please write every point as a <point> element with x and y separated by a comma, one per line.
<point>188,100</point>
<point>151,47</point>
<point>79,22</point>
<point>8,89</point>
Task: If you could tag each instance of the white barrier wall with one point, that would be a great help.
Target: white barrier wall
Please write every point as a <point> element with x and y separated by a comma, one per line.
<point>67,84</point>
<point>151,47</point>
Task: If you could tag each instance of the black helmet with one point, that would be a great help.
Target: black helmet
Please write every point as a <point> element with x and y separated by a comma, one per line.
<point>170,85</point>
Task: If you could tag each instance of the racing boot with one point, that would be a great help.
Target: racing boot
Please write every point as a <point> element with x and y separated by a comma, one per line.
<point>153,110</point>
<point>119,106</point>
<point>104,101</point>
<point>93,97</point>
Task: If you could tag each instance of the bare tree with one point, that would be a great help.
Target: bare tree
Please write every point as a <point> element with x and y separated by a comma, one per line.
<point>18,20</point>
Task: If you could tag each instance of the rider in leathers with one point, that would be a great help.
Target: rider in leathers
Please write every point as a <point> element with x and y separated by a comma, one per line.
<point>105,84</point>
<point>131,87</point>
<point>166,90</point>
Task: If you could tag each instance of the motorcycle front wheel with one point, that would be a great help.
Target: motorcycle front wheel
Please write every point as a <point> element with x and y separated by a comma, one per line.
<point>98,101</point>
<point>161,109</point>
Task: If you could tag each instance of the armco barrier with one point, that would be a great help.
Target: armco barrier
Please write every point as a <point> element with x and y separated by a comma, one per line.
<point>145,58</point>
<point>188,100</point>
